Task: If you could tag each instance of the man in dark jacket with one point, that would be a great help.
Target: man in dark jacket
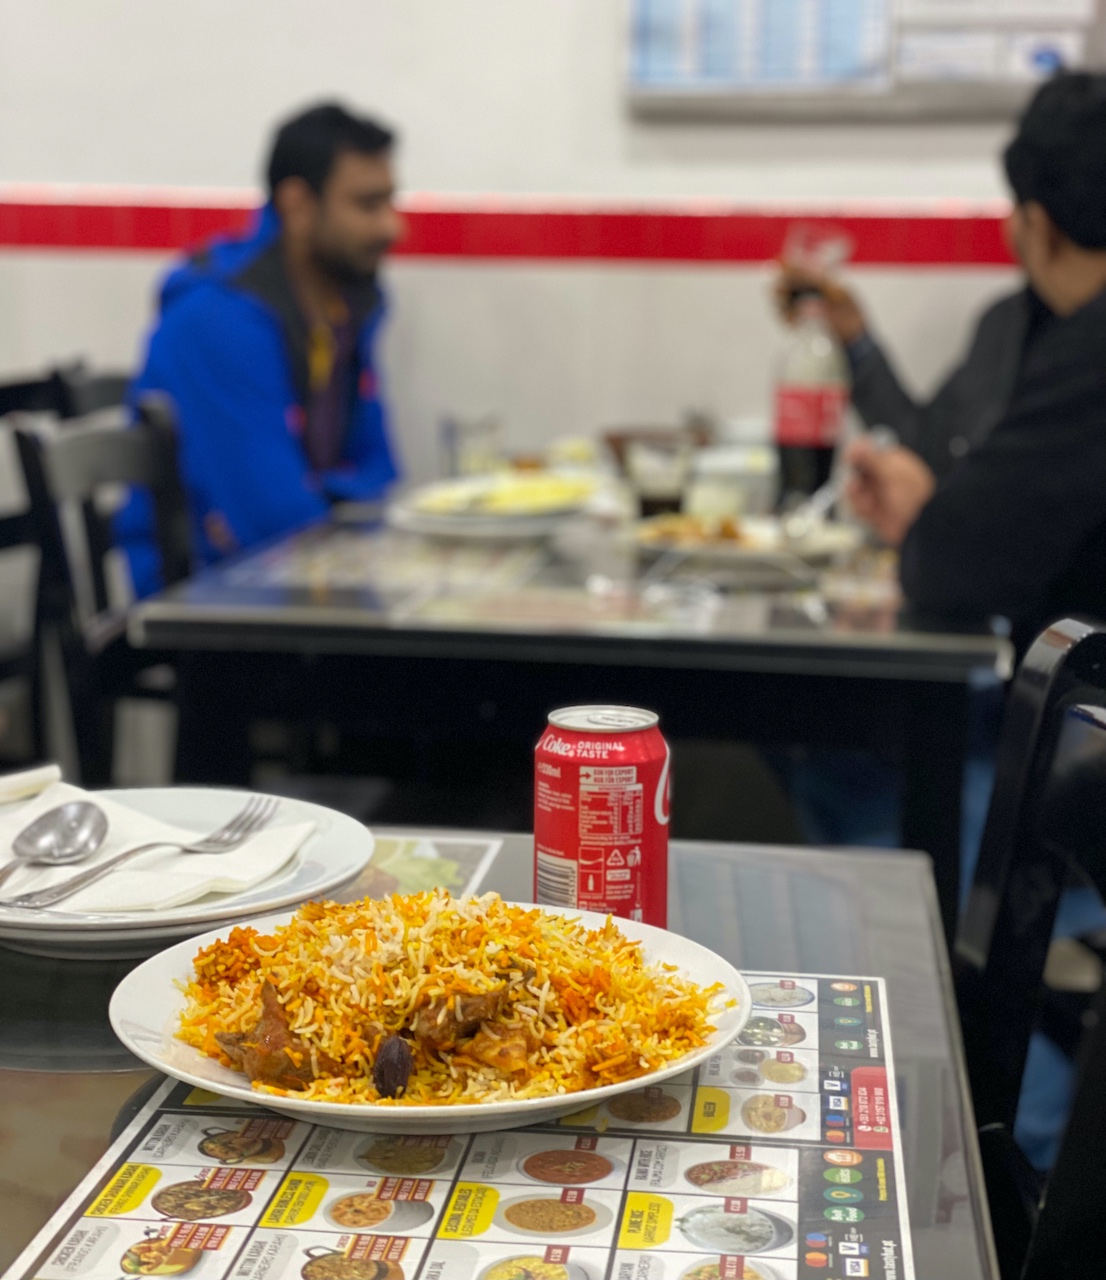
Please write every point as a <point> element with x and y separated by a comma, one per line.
<point>265,344</point>
<point>1017,527</point>
<point>968,403</point>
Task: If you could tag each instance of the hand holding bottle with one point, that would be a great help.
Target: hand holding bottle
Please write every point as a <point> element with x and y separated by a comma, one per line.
<point>841,312</point>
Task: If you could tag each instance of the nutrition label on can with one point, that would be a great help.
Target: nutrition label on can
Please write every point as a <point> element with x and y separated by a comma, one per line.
<point>610,805</point>
<point>610,818</point>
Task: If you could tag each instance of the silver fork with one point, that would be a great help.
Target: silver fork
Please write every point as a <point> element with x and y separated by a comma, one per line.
<point>254,816</point>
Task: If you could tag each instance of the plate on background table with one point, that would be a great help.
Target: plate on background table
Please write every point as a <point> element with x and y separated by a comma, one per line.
<point>745,540</point>
<point>335,852</point>
<point>505,495</point>
<point>146,1007</point>
<point>501,505</point>
<point>402,516</point>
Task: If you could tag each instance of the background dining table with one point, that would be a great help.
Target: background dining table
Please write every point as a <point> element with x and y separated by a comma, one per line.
<point>66,1084</point>
<point>468,643</point>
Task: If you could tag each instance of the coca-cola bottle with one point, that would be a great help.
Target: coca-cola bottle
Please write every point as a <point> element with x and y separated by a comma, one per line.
<point>812,394</point>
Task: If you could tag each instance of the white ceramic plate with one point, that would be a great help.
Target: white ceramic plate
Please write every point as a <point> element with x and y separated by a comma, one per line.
<point>413,512</point>
<point>336,851</point>
<point>764,543</point>
<point>402,515</point>
<point>521,495</point>
<point>146,1007</point>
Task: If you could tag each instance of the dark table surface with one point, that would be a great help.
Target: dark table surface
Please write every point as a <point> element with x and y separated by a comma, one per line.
<point>63,1077</point>
<point>584,597</point>
<point>474,642</point>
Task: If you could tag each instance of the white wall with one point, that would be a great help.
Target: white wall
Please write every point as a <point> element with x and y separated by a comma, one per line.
<point>567,350</point>
<point>511,96</point>
<point>491,95</point>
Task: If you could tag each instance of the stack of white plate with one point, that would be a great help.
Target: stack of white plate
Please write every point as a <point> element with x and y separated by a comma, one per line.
<point>334,854</point>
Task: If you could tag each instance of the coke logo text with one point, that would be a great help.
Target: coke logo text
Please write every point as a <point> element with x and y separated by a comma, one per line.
<point>559,747</point>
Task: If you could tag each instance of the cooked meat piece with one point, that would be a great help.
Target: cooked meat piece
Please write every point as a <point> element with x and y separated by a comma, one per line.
<point>231,1044</point>
<point>265,1054</point>
<point>436,1026</point>
<point>506,1048</point>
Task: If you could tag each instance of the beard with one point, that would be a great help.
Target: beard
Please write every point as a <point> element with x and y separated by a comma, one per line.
<point>348,266</point>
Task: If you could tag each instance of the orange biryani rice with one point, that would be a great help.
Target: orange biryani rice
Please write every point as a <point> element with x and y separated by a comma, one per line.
<point>571,1008</point>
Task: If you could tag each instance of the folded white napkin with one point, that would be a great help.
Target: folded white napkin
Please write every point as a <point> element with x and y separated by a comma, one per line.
<point>28,782</point>
<point>156,880</point>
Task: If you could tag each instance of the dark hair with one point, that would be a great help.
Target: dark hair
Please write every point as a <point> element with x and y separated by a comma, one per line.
<point>307,145</point>
<point>1058,157</point>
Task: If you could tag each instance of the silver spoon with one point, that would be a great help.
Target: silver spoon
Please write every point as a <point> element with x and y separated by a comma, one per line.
<point>69,833</point>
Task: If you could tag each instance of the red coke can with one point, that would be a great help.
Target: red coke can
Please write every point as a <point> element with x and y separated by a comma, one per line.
<point>601,808</point>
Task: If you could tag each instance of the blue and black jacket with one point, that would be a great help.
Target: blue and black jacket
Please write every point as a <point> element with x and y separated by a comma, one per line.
<point>230,349</point>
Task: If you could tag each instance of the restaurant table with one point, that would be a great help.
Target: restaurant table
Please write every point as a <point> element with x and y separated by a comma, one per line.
<point>474,643</point>
<point>64,1077</point>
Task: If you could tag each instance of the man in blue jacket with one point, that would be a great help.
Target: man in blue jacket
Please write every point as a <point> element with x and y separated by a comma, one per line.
<point>265,345</point>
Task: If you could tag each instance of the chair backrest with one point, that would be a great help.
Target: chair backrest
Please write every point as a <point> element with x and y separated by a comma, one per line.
<point>18,587</point>
<point>18,530</point>
<point>1046,825</point>
<point>69,391</point>
<point>81,393</point>
<point>20,652</point>
<point>74,466</point>
<point>35,395</point>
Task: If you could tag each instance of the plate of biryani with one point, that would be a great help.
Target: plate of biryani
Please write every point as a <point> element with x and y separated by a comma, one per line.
<point>729,539</point>
<point>425,1013</point>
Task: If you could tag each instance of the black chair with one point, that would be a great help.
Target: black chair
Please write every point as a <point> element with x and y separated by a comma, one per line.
<point>19,654</point>
<point>34,395</point>
<point>1045,828</point>
<point>81,393</point>
<point>71,469</point>
<point>69,391</point>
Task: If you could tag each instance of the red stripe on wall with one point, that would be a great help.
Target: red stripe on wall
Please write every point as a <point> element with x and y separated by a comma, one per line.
<point>642,235</point>
<point>596,235</point>
<point>114,226</point>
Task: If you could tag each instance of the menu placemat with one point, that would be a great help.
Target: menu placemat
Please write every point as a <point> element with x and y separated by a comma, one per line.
<point>778,1159</point>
